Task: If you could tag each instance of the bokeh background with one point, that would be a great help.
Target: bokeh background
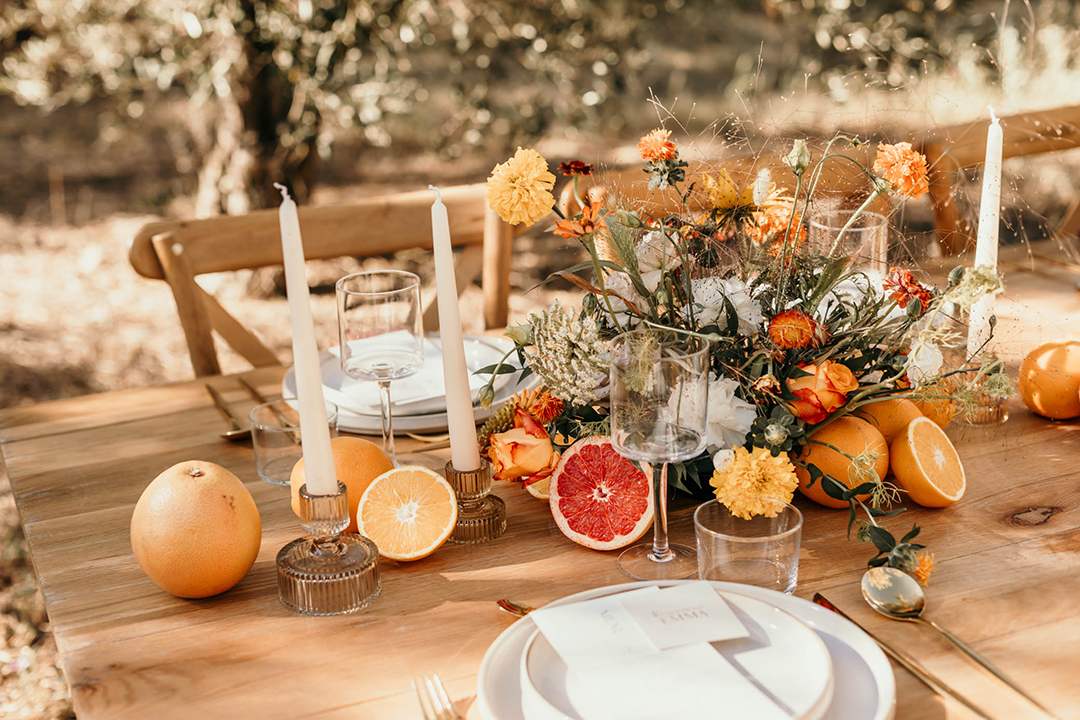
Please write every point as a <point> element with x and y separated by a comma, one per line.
<point>114,113</point>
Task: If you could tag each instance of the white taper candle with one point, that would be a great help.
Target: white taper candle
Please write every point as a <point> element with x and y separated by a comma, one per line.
<point>319,472</point>
<point>464,452</point>
<point>986,245</point>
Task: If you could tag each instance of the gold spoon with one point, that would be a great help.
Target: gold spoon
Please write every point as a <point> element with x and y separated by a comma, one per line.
<point>897,595</point>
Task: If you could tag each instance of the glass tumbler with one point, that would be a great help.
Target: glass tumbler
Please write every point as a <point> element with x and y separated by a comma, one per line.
<point>761,551</point>
<point>867,238</point>
<point>275,435</point>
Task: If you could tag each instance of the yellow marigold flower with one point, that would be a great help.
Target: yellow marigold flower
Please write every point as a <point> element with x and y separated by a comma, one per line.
<point>655,147</point>
<point>925,567</point>
<point>753,477</point>
<point>519,190</point>
<point>904,169</point>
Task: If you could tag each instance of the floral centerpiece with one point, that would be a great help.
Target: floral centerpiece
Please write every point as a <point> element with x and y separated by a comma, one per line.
<point>801,338</point>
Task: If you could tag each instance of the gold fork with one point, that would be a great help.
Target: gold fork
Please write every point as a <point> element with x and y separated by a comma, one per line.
<point>435,704</point>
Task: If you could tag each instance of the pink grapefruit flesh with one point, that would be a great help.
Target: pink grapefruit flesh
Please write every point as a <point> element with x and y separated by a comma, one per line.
<point>598,498</point>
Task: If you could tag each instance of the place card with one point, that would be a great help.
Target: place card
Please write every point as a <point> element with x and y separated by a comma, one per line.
<point>684,614</point>
<point>598,631</point>
<point>692,682</point>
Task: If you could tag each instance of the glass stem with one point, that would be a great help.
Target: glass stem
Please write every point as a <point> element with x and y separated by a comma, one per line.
<point>660,551</point>
<point>387,421</point>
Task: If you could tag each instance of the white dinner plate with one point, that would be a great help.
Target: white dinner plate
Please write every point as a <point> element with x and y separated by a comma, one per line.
<point>781,656</point>
<point>424,406</point>
<point>867,692</point>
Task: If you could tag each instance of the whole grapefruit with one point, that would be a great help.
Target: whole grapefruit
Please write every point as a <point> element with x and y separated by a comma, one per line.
<point>357,462</point>
<point>598,498</point>
<point>851,436</point>
<point>1050,380</point>
<point>196,530</point>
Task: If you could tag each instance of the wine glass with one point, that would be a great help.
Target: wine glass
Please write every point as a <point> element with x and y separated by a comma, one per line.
<point>380,333</point>
<point>659,398</point>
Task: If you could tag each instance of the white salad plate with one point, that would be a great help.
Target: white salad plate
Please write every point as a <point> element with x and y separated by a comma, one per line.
<point>782,656</point>
<point>865,688</point>
<point>419,401</point>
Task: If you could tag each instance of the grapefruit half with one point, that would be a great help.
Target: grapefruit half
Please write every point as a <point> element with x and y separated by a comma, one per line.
<point>598,498</point>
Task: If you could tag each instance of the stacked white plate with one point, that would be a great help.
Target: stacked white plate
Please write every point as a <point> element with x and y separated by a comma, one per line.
<point>418,402</point>
<point>793,653</point>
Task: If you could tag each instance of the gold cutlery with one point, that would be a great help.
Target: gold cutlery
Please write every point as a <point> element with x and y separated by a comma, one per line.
<point>435,704</point>
<point>905,660</point>
<point>514,608</point>
<point>237,432</point>
<point>898,596</point>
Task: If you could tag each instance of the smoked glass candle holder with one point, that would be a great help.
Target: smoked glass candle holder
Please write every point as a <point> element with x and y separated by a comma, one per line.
<point>481,515</point>
<point>331,572</point>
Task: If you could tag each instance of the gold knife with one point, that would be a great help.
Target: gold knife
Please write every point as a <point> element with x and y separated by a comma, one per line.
<point>236,432</point>
<point>904,659</point>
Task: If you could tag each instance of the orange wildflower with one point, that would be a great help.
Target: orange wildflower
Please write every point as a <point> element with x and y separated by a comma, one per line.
<point>655,147</point>
<point>543,406</point>
<point>575,167</point>
<point>903,288</point>
<point>771,223</point>
<point>904,169</point>
<point>924,568</point>
<point>793,329</point>
<point>587,223</point>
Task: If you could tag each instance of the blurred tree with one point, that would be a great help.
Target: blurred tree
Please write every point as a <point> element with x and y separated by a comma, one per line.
<point>287,75</point>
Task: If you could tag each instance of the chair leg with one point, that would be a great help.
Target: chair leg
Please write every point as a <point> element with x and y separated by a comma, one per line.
<point>189,306</point>
<point>953,231</point>
<point>498,248</point>
<point>239,338</point>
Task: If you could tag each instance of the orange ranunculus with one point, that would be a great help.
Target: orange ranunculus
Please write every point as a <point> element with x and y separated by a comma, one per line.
<point>655,147</point>
<point>822,392</point>
<point>524,452</point>
<point>904,168</point>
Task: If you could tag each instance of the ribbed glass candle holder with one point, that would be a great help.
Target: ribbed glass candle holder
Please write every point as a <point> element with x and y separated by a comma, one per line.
<point>481,515</point>
<point>332,572</point>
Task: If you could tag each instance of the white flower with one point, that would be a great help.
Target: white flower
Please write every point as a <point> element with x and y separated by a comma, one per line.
<point>762,186</point>
<point>729,417</point>
<point>656,254</point>
<point>619,282</point>
<point>722,459</point>
<point>924,362</point>
<point>709,294</point>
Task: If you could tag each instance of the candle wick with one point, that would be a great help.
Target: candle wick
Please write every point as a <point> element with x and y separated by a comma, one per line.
<point>993,117</point>
<point>438,195</point>
<point>284,191</point>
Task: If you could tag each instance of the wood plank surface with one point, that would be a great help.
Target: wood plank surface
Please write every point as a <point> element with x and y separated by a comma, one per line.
<point>1008,556</point>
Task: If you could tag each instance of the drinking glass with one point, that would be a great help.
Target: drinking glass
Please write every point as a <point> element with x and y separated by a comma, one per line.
<point>867,238</point>
<point>761,551</point>
<point>659,396</point>
<point>275,436</point>
<point>380,333</point>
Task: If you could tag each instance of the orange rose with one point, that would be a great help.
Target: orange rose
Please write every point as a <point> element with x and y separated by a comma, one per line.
<point>525,451</point>
<point>821,392</point>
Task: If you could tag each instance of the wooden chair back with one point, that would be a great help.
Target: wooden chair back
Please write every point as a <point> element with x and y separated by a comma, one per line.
<point>178,251</point>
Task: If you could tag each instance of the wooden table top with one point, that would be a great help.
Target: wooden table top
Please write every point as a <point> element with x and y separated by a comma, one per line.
<point>1008,557</point>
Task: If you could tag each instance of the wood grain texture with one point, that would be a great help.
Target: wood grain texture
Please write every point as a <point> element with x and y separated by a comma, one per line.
<point>1008,559</point>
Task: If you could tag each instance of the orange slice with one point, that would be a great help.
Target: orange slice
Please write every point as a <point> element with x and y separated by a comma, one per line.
<point>408,512</point>
<point>539,489</point>
<point>926,464</point>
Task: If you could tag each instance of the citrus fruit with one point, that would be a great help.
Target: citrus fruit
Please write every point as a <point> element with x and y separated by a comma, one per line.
<point>598,498</point>
<point>540,488</point>
<point>1050,380</point>
<point>926,465</point>
<point>408,512</point>
<point>850,436</point>
<point>939,409</point>
<point>890,416</point>
<point>357,463</point>
<point>196,530</point>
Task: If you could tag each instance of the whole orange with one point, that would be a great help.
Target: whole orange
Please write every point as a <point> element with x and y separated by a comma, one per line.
<point>357,462</point>
<point>848,435</point>
<point>196,530</point>
<point>940,409</point>
<point>890,416</point>
<point>1050,380</point>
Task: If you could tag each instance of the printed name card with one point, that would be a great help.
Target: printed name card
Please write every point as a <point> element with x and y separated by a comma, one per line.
<point>595,631</point>
<point>684,614</point>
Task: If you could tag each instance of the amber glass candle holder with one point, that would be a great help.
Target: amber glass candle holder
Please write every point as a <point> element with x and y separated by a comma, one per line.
<point>331,572</point>
<point>481,515</point>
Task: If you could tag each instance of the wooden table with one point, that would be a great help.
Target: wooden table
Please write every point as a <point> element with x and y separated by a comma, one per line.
<point>1008,578</point>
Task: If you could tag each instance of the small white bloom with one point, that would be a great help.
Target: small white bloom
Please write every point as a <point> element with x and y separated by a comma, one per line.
<point>762,186</point>
<point>729,417</point>
<point>925,362</point>
<point>619,282</point>
<point>656,254</point>
<point>722,459</point>
<point>709,294</point>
